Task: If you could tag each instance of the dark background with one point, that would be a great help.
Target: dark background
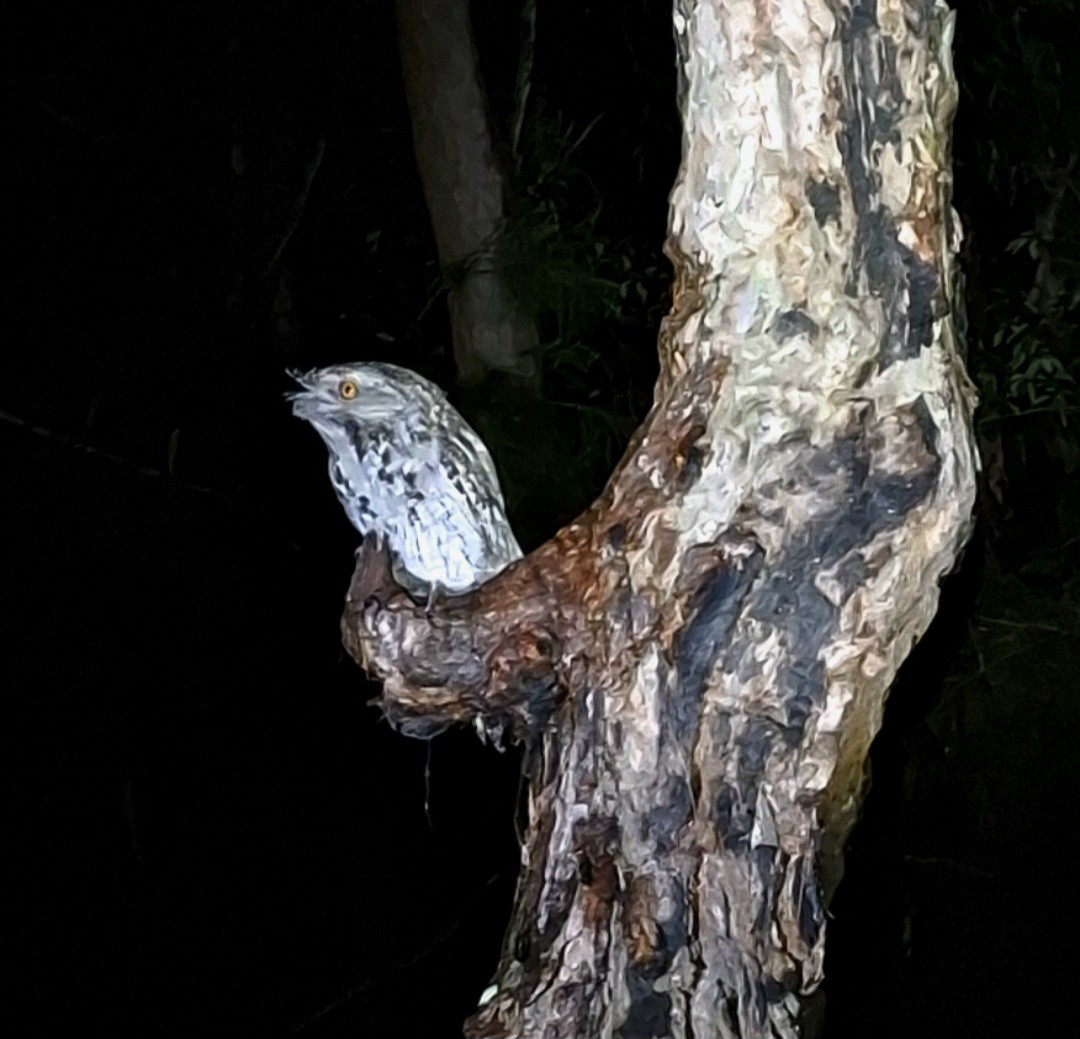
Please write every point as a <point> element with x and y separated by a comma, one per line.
<point>210,830</point>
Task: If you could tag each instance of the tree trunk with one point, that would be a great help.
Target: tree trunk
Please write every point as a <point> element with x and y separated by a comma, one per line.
<point>464,189</point>
<point>698,664</point>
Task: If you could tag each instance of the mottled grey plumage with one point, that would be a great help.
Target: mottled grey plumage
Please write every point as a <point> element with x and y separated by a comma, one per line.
<point>406,466</point>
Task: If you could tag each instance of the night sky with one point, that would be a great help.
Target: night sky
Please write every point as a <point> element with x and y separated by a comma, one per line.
<point>210,829</point>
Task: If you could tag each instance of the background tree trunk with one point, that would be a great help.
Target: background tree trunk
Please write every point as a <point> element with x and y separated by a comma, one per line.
<point>463,187</point>
<point>698,664</point>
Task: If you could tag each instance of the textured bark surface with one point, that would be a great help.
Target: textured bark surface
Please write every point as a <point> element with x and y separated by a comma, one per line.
<point>699,663</point>
<point>463,187</point>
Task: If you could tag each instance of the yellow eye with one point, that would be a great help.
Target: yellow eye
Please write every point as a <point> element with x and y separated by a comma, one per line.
<point>348,389</point>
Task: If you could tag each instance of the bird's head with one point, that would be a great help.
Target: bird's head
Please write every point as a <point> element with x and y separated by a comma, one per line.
<point>367,393</point>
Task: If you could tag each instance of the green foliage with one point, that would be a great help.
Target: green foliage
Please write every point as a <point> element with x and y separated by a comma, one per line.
<point>1027,374</point>
<point>1024,210</point>
<point>1007,701</point>
<point>597,296</point>
<point>1026,361</point>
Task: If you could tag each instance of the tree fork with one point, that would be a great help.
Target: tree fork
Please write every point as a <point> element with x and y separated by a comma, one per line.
<point>699,663</point>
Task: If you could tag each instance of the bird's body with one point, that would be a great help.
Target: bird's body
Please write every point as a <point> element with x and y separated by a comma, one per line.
<point>408,468</point>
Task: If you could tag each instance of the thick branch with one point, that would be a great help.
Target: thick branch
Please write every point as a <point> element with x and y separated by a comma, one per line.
<point>473,655</point>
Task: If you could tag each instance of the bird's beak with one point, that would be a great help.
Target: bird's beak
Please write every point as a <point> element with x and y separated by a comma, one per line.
<point>305,401</point>
<point>305,379</point>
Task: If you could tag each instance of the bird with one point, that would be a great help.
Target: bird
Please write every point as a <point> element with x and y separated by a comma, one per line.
<point>410,470</point>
